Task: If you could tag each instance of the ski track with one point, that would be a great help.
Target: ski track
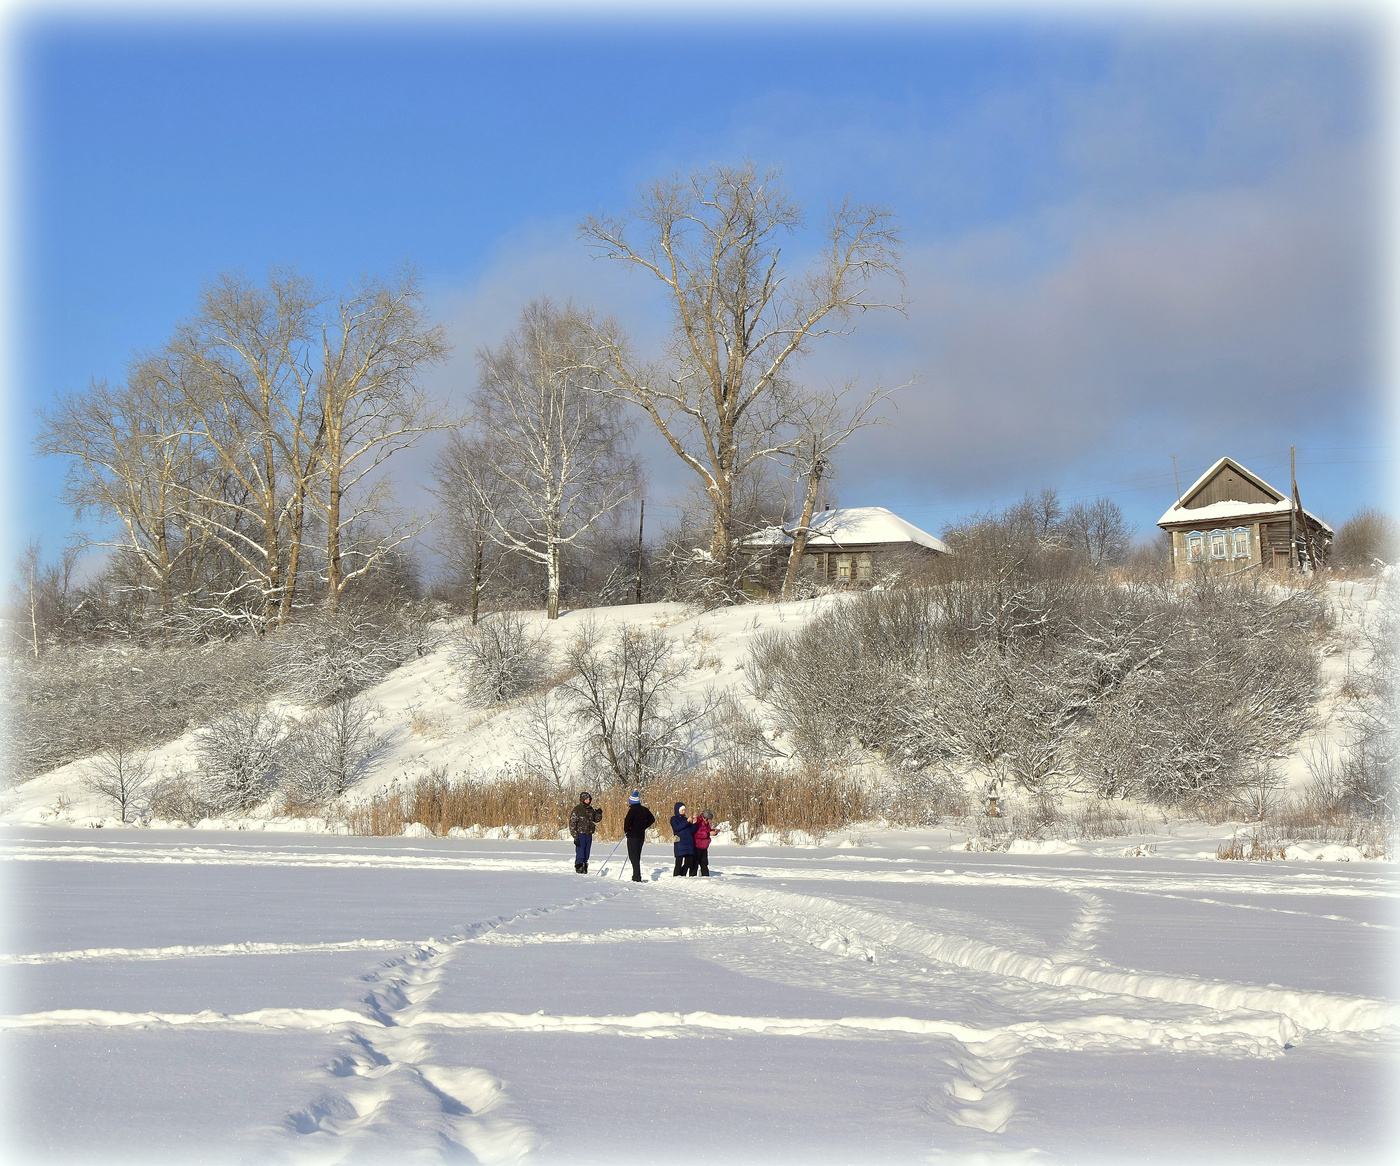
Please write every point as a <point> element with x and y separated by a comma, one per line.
<point>385,1095</point>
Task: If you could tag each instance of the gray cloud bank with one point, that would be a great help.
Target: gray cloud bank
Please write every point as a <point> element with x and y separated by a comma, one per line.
<point>1192,266</point>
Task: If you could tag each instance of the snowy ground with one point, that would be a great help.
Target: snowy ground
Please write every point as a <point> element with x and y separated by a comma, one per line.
<point>239,997</point>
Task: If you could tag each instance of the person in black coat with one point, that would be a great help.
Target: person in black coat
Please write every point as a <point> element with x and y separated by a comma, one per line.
<point>684,830</point>
<point>634,826</point>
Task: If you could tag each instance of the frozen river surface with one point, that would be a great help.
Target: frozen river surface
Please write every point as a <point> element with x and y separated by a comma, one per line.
<point>250,997</point>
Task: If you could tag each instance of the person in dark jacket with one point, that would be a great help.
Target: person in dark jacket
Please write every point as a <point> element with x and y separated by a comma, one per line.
<point>581,823</point>
<point>634,826</point>
<point>684,830</point>
<point>704,827</point>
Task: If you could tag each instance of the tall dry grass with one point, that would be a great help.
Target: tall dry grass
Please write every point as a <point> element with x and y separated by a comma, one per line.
<point>751,799</point>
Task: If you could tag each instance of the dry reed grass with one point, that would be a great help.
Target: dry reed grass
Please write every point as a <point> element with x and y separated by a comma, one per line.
<point>751,800</point>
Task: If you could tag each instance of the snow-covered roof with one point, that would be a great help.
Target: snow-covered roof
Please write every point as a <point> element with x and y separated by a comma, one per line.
<point>853,526</point>
<point>1218,512</point>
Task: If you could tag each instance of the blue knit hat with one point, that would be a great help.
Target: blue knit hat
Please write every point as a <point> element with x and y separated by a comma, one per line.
<point>636,798</point>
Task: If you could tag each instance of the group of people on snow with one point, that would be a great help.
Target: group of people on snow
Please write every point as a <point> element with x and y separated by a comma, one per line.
<point>692,845</point>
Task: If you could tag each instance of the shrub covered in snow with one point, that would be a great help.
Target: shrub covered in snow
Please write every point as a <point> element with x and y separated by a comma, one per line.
<point>503,657</point>
<point>337,652</point>
<point>1051,681</point>
<point>240,759</point>
<point>328,751</point>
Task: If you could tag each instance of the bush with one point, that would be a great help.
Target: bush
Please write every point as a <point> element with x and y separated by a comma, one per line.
<point>65,705</point>
<point>1049,679</point>
<point>328,752</point>
<point>1368,538</point>
<point>239,759</point>
<point>338,652</point>
<point>503,657</point>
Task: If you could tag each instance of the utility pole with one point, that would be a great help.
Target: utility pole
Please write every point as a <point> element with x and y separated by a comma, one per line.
<point>1177,476</point>
<point>1309,545</point>
<point>1293,512</point>
<point>641,521</point>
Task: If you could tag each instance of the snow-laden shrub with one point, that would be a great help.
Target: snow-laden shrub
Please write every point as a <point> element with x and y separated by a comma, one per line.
<point>336,653</point>
<point>328,752</point>
<point>503,657</point>
<point>63,706</point>
<point>240,758</point>
<point>1054,682</point>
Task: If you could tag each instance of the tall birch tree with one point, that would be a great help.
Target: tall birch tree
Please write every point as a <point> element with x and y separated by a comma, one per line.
<point>556,455</point>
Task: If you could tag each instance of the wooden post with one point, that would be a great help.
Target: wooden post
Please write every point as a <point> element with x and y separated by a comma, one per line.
<point>641,521</point>
<point>1293,511</point>
<point>1177,476</point>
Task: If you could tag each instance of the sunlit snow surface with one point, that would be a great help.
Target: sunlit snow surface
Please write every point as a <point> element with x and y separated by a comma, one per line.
<point>239,997</point>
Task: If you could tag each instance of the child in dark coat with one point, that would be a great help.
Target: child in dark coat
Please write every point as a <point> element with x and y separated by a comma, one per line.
<point>704,827</point>
<point>684,830</point>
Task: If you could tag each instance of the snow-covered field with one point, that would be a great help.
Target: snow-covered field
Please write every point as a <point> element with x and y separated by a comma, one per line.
<point>178,996</point>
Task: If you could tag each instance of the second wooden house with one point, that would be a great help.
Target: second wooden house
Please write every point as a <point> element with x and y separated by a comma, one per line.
<point>1230,520</point>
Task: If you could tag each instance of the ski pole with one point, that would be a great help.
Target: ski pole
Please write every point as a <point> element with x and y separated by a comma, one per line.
<point>610,857</point>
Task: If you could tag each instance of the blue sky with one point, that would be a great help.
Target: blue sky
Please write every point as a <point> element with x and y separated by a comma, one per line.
<point>1124,239</point>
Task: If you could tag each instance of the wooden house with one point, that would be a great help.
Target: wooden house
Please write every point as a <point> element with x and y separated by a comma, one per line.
<point>1232,520</point>
<point>859,544</point>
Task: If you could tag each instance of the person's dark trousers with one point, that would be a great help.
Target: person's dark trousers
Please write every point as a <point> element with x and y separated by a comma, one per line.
<point>634,852</point>
<point>702,860</point>
<point>685,864</point>
<point>581,849</point>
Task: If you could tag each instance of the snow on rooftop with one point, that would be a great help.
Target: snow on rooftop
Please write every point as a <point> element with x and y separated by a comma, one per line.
<point>853,526</point>
<point>1223,511</point>
<point>1229,511</point>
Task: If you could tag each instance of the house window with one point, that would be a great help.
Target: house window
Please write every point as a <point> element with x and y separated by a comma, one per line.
<point>863,568</point>
<point>1217,544</point>
<point>843,569</point>
<point>1195,547</point>
<point>1240,537</point>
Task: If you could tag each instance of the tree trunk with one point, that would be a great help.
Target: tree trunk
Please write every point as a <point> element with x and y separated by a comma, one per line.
<point>333,570</point>
<point>295,525</point>
<point>552,602</point>
<point>799,537</point>
<point>476,580</point>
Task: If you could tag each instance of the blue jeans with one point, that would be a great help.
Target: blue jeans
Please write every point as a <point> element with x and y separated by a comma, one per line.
<point>582,846</point>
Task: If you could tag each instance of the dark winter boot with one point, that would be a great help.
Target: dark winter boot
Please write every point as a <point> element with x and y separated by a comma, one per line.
<point>578,868</point>
<point>585,868</point>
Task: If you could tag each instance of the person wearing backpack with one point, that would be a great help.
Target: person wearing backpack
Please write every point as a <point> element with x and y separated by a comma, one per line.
<point>684,830</point>
<point>582,821</point>
<point>634,826</point>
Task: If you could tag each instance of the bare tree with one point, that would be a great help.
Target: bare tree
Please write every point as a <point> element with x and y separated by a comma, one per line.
<point>467,484</point>
<point>713,240</point>
<point>1099,530</point>
<point>822,422</point>
<point>371,406</point>
<point>44,593</point>
<point>241,367</point>
<point>555,458</point>
<point>119,773</point>
<point>624,695</point>
<point>131,459</point>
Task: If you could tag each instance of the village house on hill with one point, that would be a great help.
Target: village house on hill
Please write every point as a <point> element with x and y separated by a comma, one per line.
<point>859,544</point>
<point>1231,520</point>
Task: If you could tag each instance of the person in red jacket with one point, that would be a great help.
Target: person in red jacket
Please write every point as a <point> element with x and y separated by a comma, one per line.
<point>704,827</point>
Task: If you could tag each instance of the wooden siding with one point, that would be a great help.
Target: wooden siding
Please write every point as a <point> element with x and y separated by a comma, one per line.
<point>1227,484</point>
